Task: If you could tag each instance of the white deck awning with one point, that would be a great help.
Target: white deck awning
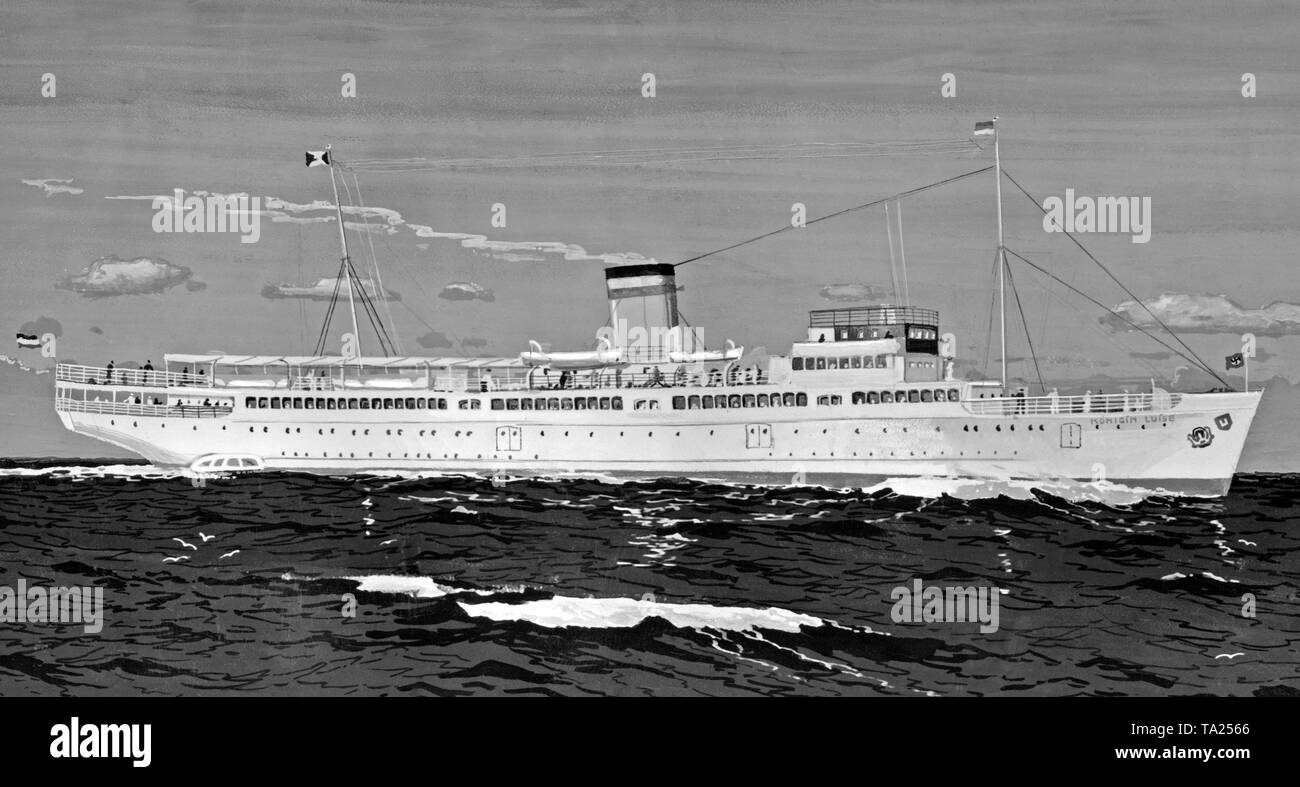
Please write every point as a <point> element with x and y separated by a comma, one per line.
<point>855,347</point>
<point>321,361</point>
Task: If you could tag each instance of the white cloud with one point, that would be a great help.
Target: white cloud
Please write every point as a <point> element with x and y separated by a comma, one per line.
<point>322,290</point>
<point>1190,313</point>
<point>466,291</point>
<point>852,292</point>
<point>54,186</point>
<point>108,276</point>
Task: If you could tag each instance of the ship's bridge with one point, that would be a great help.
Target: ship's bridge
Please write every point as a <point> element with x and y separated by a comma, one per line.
<point>892,343</point>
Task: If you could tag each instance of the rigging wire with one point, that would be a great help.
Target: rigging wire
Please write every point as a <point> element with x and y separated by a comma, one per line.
<point>902,256</point>
<point>329,312</point>
<point>873,203</point>
<point>1106,308</point>
<point>1197,362</point>
<point>1028,340</point>
<point>889,236</point>
<point>374,261</point>
<point>641,156</point>
<point>993,294</point>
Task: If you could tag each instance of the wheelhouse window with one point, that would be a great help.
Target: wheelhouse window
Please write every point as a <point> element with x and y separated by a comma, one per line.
<point>498,404</point>
<point>801,399</point>
<point>796,363</point>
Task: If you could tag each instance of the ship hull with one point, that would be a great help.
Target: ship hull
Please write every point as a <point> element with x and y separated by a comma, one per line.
<point>1192,448</point>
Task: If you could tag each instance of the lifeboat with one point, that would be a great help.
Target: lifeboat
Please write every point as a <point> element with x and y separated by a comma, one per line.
<point>227,464</point>
<point>605,355</point>
<point>732,353</point>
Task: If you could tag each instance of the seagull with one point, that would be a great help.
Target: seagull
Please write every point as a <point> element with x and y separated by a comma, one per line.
<point>386,543</point>
<point>205,538</point>
<point>183,543</point>
<point>229,554</point>
<point>1229,656</point>
<point>1247,543</point>
<point>175,559</point>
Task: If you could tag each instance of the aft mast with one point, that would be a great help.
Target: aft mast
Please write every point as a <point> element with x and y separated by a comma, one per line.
<point>1002,256</point>
<point>986,128</point>
<point>346,264</point>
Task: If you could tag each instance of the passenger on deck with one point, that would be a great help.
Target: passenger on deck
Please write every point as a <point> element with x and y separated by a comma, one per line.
<point>108,374</point>
<point>148,366</point>
<point>207,402</point>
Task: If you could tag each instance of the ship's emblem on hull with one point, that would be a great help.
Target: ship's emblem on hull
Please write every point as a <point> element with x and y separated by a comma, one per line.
<point>1200,437</point>
<point>1224,422</point>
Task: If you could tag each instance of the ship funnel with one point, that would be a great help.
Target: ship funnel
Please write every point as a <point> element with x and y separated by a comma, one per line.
<point>643,308</point>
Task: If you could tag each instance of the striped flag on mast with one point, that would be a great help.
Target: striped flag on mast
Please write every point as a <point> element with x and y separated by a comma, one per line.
<point>318,158</point>
<point>985,128</point>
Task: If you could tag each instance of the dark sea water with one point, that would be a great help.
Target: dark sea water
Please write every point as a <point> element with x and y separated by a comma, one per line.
<point>580,587</point>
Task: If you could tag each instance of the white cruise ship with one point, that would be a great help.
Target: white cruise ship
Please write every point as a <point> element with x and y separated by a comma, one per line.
<point>867,394</point>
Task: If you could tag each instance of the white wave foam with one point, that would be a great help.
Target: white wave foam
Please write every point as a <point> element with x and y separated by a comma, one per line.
<point>82,471</point>
<point>1104,492</point>
<point>565,611</point>
<point>416,587</point>
<point>421,587</point>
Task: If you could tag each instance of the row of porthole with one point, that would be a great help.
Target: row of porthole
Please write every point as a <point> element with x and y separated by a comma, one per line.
<point>998,427</point>
<point>371,455</point>
<point>909,453</point>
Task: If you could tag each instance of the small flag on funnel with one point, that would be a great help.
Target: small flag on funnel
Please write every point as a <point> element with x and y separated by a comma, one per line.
<point>318,158</point>
<point>1235,361</point>
<point>984,128</point>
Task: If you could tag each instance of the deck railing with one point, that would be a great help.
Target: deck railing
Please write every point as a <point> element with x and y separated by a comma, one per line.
<point>101,375</point>
<point>64,404</point>
<point>1087,404</point>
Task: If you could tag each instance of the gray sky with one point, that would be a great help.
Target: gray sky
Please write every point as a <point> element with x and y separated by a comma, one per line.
<point>1103,98</point>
